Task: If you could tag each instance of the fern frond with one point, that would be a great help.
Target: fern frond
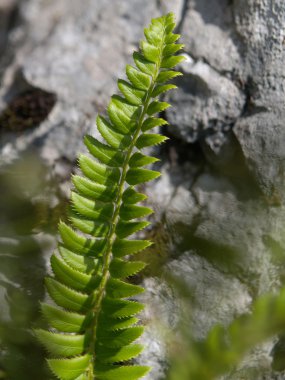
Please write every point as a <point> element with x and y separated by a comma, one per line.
<point>94,324</point>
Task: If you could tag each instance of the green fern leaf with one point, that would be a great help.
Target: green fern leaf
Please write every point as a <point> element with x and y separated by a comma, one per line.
<point>125,229</point>
<point>153,36</point>
<point>98,172</point>
<point>131,196</point>
<point>151,52</point>
<point>70,276</point>
<point>138,159</point>
<point>110,324</point>
<point>130,211</point>
<point>153,122</point>
<point>136,176</point>
<point>126,372</point>
<point>113,355</point>
<point>170,62</point>
<point>96,228</point>
<point>167,75</point>
<point>149,139</point>
<point>64,321</point>
<point>94,190</point>
<point>170,49</point>
<point>80,244</point>
<point>121,114</point>
<point>123,247</point>
<point>69,369</point>
<point>119,289</point>
<point>119,338</point>
<point>171,38</point>
<point>121,308</point>
<point>90,208</point>
<point>114,139</point>
<point>132,94</point>
<point>93,321</point>
<point>138,79</point>
<point>104,153</point>
<point>156,107</point>
<point>62,345</point>
<point>66,297</point>
<point>143,64</point>
<point>162,88</point>
<point>78,262</point>
<point>122,269</point>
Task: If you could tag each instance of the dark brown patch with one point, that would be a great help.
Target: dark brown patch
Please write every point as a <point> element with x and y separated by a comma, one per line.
<point>27,110</point>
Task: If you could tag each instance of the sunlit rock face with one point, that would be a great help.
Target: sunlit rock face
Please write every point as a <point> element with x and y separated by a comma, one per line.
<point>229,215</point>
<point>220,217</point>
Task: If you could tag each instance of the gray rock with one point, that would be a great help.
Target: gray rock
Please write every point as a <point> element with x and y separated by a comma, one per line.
<point>235,231</point>
<point>261,33</point>
<point>6,11</point>
<point>174,179</point>
<point>231,262</point>
<point>209,99</point>
<point>71,51</point>
<point>208,33</point>
<point>175,6</point>
<point>236,235</point>
<point>164,312</point>
<point>239,46</point>
<point>208,286</point>
<point>159,299</point>
<point>261,137</point>
<point>206,105</point>
<point>237,246</point>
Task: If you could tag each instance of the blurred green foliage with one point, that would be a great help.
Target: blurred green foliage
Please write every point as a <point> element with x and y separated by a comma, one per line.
<point>22,189</point>
<point>224,348</point>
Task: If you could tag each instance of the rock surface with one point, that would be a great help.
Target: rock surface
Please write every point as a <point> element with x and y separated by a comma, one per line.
<point>220,202</point>
<point>208,104</point>
<point>230,102</point>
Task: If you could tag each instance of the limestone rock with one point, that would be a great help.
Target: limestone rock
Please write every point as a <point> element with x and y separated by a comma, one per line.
<point>7,7</point>
<point>208,33</point>
<point>261,137</point>
<point>206,105</point>
<point>76,54</point>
